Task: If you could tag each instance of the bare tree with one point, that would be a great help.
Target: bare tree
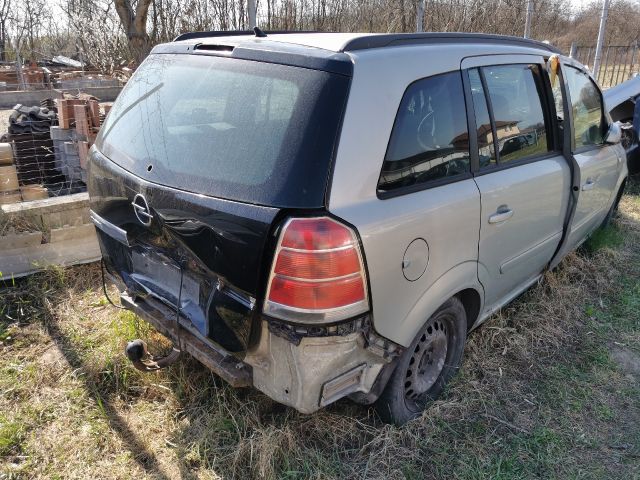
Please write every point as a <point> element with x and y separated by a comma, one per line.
<point>133,15</point>
<point>5,11</point>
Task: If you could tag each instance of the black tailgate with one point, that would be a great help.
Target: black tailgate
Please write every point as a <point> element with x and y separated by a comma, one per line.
<point>205,251</point>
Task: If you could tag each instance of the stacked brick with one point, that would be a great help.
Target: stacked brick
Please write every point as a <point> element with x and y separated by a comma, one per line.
<point>79,121</point>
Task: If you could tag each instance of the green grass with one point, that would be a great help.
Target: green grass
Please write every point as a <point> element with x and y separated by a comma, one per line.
<point>11,435</point>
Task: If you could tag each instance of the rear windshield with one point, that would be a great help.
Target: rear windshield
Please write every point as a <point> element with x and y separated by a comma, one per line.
<point>250,131</point>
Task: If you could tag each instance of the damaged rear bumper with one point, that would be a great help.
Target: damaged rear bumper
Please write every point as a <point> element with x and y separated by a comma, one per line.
<point>304,370</point>
<point>310,372</point>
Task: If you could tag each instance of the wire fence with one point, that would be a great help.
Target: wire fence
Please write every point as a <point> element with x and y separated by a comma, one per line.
<point>618,63</point>
<point>45,149</point>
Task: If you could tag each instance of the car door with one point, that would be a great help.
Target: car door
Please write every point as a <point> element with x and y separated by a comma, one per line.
<point>524,180</point>
<point>598,163</point>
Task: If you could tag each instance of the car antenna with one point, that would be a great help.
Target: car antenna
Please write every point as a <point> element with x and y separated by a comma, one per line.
<point>259,33</point>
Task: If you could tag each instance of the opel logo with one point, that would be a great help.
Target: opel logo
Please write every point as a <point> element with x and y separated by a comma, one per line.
<point>141,209</point>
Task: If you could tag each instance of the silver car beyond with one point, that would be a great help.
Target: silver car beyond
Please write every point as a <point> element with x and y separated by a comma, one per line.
<point>328,215</point>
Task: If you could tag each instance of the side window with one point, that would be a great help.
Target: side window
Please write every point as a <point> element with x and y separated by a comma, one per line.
<point>486,147</point>
<point>429,140</point>
<point>586,103</point>
<point>516,93</point>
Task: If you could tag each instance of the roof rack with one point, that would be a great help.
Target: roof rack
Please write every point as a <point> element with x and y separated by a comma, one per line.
<point>233,33</point>
<point>398,39</point>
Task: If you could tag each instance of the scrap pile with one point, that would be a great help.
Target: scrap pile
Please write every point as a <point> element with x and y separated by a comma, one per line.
<point>46,148</point>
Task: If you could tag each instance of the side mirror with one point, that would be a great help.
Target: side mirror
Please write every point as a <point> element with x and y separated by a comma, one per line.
<point>614,135</point>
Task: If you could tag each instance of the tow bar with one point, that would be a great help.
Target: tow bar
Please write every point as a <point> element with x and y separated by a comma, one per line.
<point>136,351</point>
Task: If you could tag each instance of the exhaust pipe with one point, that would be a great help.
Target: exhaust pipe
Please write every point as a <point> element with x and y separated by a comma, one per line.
<point>136,351</point>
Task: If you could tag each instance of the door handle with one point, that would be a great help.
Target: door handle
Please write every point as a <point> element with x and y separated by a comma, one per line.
<point>503,214</point>
<point>588,185</point>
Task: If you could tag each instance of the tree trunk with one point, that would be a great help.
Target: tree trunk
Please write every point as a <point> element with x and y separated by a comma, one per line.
<point>135,26</point>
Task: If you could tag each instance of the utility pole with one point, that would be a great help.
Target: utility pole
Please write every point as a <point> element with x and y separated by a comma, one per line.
<point>420,16</point>
<point>251,6</point>
<point>527,22</point>
<point>603,24</point>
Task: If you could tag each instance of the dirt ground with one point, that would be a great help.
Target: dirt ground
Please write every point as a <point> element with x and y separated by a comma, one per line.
<point>549,388</point>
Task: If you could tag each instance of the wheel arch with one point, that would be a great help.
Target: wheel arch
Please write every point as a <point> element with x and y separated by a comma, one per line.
<point>472,302</point>
<point>460,281</point>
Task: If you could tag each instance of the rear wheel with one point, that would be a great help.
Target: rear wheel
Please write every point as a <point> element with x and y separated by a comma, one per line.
<point>429,362</point>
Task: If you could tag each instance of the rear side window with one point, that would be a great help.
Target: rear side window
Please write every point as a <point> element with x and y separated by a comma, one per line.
<point>236,129</point>
<point>586,102</point>
<point>519,123</point>
<point>429,140</point>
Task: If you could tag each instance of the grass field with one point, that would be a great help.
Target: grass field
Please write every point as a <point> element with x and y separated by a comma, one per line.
<point>550,388</point>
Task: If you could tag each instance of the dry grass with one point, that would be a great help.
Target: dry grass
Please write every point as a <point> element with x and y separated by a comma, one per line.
<point>549,389</point>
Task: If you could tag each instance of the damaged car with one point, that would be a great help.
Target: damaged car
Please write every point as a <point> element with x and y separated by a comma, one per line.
<point>325,215</point>
<point>623,103</point>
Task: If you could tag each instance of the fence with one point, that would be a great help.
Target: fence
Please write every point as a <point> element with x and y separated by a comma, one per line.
<point>617,64</point>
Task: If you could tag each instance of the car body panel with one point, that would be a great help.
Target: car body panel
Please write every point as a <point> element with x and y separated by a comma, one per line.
<point>512,251</point>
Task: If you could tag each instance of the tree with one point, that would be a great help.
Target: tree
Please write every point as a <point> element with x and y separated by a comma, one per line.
<point>134,21</point>
<point>5,11</point>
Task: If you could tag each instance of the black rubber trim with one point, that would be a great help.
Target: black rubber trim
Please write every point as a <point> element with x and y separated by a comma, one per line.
<point>400,39</point>
<point>418,187</point>
<point>517,163</point>
<point>574,167</point>
<point>472,129</point>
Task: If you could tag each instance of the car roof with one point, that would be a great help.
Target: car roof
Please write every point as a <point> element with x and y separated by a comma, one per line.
<point>346,42</point>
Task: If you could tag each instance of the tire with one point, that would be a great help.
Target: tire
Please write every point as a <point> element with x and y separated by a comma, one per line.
<point>437,352</point>
<point>614,208</point>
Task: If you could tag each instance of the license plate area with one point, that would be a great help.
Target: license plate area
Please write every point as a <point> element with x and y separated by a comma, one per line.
<point>161,278</point>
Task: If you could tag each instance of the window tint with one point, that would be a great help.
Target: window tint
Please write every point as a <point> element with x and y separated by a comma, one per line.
<point>486,147</point>
<point>429,140</point>
<point>586,102</point>
<point>516,94</point>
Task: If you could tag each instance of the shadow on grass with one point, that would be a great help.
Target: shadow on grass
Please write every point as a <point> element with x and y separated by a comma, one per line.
<point>34,298</point>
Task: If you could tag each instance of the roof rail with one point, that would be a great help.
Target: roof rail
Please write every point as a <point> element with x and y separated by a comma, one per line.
<point>232,33</point>
<point>398,39</point>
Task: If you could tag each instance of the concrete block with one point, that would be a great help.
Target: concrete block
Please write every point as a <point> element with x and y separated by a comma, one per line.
<point>19,240</point>
<point>65,233</point>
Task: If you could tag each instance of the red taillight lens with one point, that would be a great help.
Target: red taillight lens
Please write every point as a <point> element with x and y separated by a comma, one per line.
<point>316,295</point>
<point>317,273</point>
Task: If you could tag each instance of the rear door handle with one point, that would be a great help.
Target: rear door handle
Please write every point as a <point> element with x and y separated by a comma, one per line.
<point>503,214</point>
<point>588,185</point>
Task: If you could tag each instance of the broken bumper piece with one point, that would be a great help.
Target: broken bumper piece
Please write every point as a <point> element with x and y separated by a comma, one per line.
<point>315,371</point>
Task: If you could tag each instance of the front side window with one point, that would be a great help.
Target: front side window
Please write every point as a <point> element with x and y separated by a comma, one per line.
<point>586,104</point>
<point>516,94</point>
<point>429,140</point>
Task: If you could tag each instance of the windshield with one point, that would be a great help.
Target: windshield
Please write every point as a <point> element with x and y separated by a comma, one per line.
<point>242,130</point>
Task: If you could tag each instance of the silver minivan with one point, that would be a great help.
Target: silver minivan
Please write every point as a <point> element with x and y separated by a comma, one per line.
<point>325,215</point>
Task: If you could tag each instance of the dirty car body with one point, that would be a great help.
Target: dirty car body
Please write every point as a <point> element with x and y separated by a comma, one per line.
<point>309,215</point>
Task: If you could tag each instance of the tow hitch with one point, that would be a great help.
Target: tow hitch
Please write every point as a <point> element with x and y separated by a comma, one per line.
<point>136,351</point>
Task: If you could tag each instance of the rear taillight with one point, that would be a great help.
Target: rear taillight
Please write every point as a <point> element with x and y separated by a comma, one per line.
<point>317,273</point>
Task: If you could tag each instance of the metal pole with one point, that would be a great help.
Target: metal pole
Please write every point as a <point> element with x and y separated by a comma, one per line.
<point>251,7</point>
<point>601,31</point>
<point>420,16</point>
<point>527,22</point>
<point>573,51</point>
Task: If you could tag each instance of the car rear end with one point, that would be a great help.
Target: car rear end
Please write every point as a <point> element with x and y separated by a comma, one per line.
<point>208,187</point>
